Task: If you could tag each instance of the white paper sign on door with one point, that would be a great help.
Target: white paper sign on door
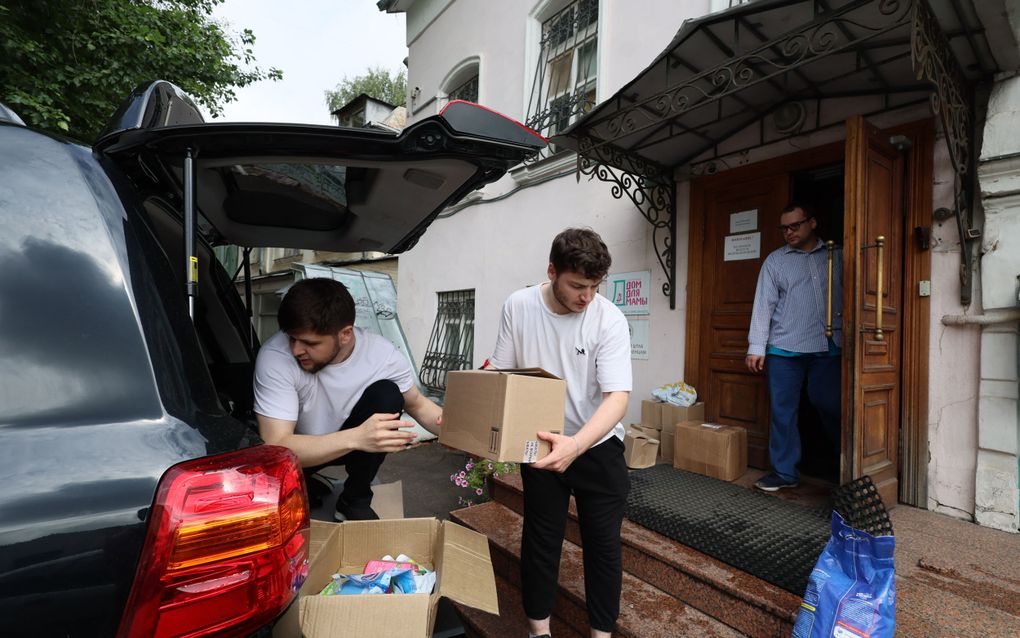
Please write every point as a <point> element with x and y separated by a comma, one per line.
<point>746,246</point>
<point>744,221</point>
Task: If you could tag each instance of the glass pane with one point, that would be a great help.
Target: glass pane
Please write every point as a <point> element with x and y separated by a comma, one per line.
<point>559,74</point>
<point>325,181</point>
<point>587,62</point>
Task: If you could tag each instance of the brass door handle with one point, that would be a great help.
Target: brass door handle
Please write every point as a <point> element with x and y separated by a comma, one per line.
<point>879,334</point>
<point>829,245</point>
<point>879,303</point>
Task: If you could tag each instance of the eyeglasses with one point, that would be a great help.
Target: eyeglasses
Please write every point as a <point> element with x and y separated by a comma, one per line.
<point>794,227</point>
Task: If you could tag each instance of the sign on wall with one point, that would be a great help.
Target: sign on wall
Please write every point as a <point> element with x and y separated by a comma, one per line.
<point>638,338</point>
<point>630,291</point>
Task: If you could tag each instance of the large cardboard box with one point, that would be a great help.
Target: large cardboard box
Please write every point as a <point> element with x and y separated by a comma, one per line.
<point>640,449</point>
<point>715,450</point>
<point>673,414</point>
<point>496,414</point>
<point>651,414</point>
<point>459,556</point>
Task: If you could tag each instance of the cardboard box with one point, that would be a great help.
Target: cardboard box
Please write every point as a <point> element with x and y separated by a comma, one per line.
<point>715,450</point>
<point>651,414</point>
<point>459,555</point>
<point>673,414</point>
<point>640,450</point>
<point>496,414</point>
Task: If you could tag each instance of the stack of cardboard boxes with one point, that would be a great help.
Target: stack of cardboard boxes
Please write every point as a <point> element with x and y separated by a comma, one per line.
<point>691,444</point>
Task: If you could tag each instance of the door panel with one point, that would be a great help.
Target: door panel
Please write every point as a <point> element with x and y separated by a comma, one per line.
<point>732,394</point>
<point>871,365</point>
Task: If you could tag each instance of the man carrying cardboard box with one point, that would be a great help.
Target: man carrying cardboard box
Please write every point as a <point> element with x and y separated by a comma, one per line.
<point>333,393</point>
<point>567,328</point>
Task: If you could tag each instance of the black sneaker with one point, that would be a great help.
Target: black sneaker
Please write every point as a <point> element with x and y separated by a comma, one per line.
<point>772,482</point>
<point>319,488</point>
<point>353,511</point>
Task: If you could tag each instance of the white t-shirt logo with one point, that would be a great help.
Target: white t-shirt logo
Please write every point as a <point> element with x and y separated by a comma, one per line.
<point>579,350</point>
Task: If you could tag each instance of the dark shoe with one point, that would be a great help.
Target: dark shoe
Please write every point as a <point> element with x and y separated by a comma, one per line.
<point>354,511</point>
<point>319,488</point>
<point>772,482</point>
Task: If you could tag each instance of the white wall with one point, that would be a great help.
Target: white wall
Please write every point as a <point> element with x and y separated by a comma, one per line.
<point>500,246</point>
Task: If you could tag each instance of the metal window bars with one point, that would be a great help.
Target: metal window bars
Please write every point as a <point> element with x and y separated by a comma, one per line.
<point>564,82</point>
<point>451,345</point>
<point>467,91</point>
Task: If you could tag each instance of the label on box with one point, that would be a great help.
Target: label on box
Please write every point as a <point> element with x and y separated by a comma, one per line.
<point>530,451</point>
<point>494,440</point>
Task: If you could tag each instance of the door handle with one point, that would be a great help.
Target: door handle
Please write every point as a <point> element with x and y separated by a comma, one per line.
<point>829,245</point>
<point>879,334</point>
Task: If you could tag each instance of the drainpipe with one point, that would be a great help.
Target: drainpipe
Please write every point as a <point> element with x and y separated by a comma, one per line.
<point>987,319</point>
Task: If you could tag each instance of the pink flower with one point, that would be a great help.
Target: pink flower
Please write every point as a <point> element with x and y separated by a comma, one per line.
<point>469,466</point>
<point>478,491</point>
<point>461,474</point>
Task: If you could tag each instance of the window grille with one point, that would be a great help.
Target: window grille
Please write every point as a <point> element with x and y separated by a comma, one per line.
<point>564,84</point>
<point>467,91</point>
<point>451,346</point>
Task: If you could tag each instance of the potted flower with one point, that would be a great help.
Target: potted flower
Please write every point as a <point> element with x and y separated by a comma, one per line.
<point>474,477</point>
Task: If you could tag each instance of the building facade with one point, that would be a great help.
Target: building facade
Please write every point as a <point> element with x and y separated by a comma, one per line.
<point>679,130</point>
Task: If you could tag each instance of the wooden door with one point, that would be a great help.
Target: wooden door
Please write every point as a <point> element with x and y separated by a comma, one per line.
<point>734,395</point>
<point>875,207</point>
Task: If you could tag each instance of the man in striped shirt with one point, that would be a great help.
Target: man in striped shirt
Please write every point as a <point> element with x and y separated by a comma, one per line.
<point>787,338</point>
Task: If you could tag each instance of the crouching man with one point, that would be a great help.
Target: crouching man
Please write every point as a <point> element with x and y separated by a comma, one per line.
<point>333,393</point>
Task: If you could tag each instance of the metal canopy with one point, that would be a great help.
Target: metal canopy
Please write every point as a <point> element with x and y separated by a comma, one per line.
<point>782,68</point>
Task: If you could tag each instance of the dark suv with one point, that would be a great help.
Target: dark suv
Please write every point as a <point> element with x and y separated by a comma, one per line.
<point>136,498</point>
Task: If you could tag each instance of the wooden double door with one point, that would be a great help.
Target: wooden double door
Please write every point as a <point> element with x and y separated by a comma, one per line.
<point>723,273</point>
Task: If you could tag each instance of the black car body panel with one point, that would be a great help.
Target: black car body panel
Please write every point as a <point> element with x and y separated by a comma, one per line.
<point>105,380</point>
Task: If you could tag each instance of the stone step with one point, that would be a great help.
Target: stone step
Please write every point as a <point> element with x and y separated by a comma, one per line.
<point>510,623</point>
<point>645,612</point>
<point>753,606</point>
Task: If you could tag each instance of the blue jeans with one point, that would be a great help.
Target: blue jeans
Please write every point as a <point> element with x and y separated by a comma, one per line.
<point>786,377</point>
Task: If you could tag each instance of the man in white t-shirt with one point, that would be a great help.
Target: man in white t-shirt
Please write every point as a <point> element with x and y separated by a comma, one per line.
<point>567,328</point>
<point>333,393</point>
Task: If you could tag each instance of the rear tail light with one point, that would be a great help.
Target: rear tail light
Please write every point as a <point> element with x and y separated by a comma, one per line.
<point>226,548</point>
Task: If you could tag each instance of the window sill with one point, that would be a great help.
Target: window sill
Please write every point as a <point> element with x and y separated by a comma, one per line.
<point>527,173</point>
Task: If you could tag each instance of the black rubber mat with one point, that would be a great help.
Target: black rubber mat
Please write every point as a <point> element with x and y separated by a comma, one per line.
<point>775,540</point>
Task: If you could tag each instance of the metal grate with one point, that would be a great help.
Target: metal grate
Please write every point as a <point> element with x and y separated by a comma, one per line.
<point>467,91</point>
<point>451,346</point>
<point>564,84</point>
<point>860,505</point>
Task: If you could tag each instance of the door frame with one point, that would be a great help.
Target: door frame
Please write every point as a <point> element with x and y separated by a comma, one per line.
<point>913,457</point>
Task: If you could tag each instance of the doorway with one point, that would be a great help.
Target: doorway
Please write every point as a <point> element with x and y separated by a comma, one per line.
<point>857,197</point>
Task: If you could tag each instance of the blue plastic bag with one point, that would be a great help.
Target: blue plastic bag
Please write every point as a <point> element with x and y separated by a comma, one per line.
<point>852,589</point>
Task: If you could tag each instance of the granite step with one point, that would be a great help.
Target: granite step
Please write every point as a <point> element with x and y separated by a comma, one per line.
<point>645,612</point>
<point>510,623</point>
<point>749,604</point>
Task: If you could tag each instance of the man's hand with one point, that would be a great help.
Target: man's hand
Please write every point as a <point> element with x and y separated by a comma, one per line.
<point>564,450</point>
<point>755,362</point>
<point>383,433</point>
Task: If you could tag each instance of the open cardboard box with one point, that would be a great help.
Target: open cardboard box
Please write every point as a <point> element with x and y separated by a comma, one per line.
<point>459,556</point>
<point>496,414</point>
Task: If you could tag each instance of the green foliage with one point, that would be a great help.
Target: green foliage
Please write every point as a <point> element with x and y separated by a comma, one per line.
<point>377,83</point>
<point>68,64</point>
<point>474,477</point>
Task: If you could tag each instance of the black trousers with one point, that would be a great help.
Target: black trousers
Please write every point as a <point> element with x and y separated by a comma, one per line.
<point>381,396</point>
<point>599,481</point>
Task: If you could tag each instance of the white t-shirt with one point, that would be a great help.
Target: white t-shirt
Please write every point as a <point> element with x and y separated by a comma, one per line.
<point>589,350</point>
<point>320,402</point>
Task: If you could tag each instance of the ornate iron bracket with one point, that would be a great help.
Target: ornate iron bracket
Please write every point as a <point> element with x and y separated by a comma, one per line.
<point>951,99</point>
<point>650,187</point>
